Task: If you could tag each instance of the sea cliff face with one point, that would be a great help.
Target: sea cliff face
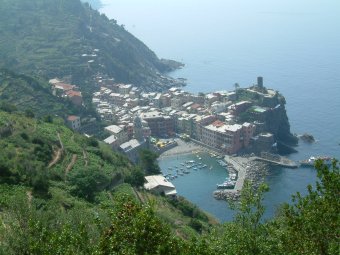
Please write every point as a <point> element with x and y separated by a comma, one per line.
<point>277,123</point>
<point>268,108</point>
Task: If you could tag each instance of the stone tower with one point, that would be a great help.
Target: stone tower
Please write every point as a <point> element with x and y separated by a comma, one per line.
<point>260,82</point>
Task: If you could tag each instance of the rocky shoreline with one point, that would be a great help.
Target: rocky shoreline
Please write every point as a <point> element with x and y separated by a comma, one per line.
<point>247,170</point>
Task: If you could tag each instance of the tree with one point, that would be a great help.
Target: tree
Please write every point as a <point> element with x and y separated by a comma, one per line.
<point>136,178</point>
<point>312,223</point>
<point>7,107</point>
<point>29,113</point>
<point>148,162</point>
<point>135,229</point>
<point>86,182</point>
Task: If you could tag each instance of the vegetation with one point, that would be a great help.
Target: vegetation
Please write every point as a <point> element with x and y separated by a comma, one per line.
<point>61,192</point>
<point>148,162</point>
<point>20,92</point>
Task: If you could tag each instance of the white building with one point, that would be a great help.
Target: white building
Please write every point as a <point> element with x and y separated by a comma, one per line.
<point>118,132</point>
<point>159,184</point>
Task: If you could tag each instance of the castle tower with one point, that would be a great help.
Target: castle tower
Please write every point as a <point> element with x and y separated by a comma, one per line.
<point>260,82</point>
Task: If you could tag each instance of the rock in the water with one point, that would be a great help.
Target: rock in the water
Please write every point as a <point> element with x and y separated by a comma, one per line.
<point>307,138</point>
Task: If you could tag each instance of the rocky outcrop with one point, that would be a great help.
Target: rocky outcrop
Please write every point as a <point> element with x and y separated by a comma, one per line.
<point>308,138</point>
<point>277,123</point>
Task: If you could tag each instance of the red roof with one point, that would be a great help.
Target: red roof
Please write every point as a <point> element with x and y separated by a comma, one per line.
<point>218,123</point>
<point>72,118</point>
<point>64,86</point>
<point>195,106</point>
<point>72,93</point>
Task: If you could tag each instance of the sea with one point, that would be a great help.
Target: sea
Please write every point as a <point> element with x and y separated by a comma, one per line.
<point>294,45</point>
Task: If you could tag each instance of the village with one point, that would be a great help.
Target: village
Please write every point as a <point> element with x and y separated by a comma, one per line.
<point>228,123</point>
<point>140,119</point>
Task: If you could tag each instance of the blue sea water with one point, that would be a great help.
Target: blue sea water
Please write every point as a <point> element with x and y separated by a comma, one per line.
<point>294,45</point>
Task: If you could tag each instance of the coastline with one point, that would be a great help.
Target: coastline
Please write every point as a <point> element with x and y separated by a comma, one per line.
<point>181,148</point>
<point>246,168</point>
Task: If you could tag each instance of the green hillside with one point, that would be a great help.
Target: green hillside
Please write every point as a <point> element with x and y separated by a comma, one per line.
<point>60,191</point>
<point>58,38</point>
<point>33,94</point>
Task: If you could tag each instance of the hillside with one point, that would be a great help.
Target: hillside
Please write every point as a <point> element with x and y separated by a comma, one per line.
<point>54,181</point>
<point>69,39</point>
<point>33,94</point>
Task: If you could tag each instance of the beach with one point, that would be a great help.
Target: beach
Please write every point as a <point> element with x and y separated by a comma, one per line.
<point>182,148</point>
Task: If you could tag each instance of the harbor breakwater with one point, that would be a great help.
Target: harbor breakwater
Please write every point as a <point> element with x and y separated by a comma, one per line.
<point>246,168</point>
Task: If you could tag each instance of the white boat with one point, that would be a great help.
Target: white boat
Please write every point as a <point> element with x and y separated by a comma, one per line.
<point>311,161</point>
<point>226,185</point>
<point>222,163</point>
<point>233,177</point>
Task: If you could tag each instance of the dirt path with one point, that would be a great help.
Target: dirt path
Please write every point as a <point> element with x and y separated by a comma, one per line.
<point>60,141</point>
<point>138,196</point>
<point>56,158</point>
<point>71,164</point>
<point>85,157</point>
<point>29,197</point>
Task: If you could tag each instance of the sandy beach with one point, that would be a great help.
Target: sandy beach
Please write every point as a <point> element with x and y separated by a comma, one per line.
<point>182,148</point>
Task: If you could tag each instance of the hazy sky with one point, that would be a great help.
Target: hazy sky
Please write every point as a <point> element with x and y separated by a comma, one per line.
<point>290,20</point>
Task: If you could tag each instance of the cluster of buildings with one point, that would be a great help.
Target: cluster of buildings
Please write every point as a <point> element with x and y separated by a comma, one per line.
<point>212,119</point>
<point>66,90</point>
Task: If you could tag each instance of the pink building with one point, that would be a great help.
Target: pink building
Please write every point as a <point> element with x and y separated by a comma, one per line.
<point>75,97</point>
<point>227,138</point>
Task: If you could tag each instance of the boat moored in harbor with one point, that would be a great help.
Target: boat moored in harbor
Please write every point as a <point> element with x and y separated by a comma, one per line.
<point>226,185</point>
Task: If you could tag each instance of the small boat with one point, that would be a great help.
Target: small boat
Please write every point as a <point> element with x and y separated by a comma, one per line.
<point>222,163</point>
<point>233,177</point>
<point>226,185</point>
<point>311,161</point>
<point>195,168</point>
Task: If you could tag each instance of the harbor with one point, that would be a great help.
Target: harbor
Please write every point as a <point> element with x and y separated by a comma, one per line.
<point>244,168</point>
<point>200,186</point>
<point>236,168</point>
